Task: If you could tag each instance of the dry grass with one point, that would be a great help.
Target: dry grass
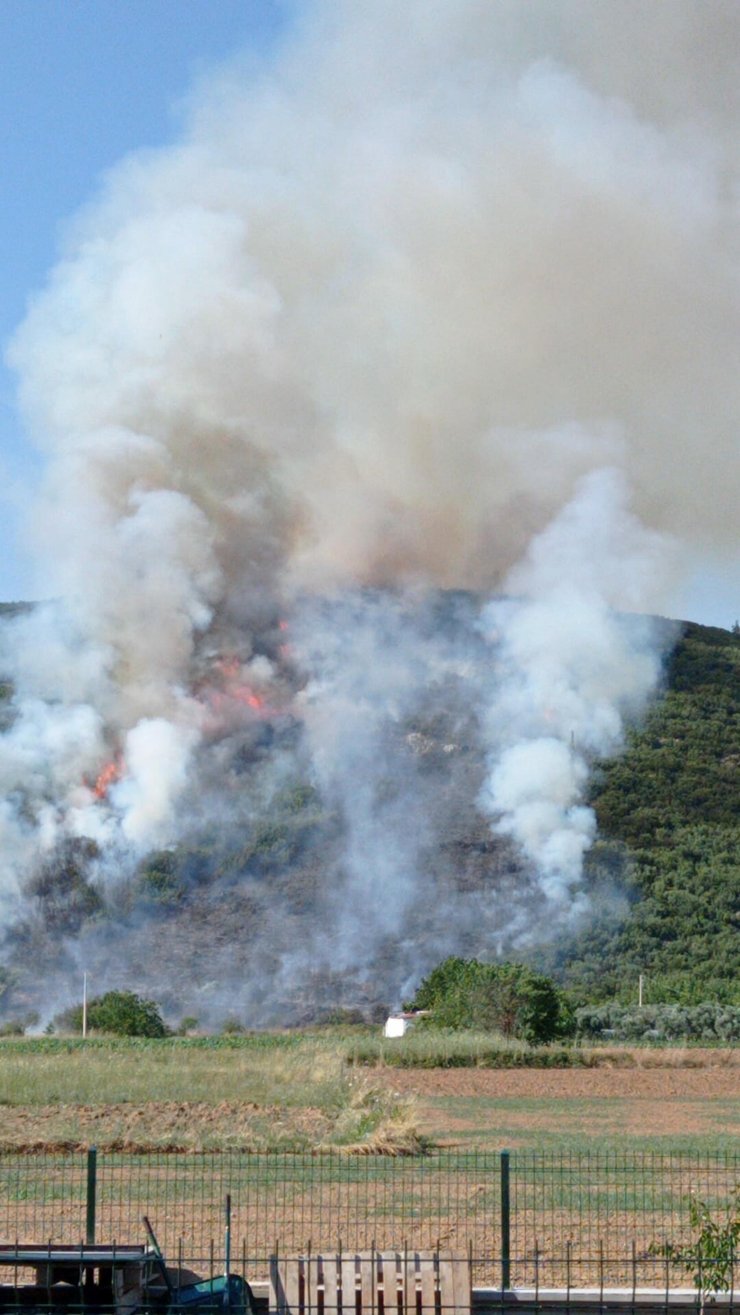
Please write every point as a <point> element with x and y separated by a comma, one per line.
<point>172,1097</point>
<point>370,1124</point>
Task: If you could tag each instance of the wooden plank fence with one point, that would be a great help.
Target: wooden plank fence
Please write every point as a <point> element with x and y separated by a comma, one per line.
<point>371,1283</point>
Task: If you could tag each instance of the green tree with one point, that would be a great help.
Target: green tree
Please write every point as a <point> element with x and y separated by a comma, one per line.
<point>120,1013</point>
<point>510,998</point>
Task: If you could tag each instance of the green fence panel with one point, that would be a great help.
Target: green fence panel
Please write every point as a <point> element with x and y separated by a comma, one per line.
<point>43,1197</point>
<point>528,1218</point>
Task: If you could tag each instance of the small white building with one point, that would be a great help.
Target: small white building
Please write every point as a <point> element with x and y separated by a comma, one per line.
<point>399,1024</point>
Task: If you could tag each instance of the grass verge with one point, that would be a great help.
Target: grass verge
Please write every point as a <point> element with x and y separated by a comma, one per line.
<point>440,1049</point>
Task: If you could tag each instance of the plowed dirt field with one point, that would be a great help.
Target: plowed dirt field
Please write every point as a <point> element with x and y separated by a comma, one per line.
<point>691,1094</point>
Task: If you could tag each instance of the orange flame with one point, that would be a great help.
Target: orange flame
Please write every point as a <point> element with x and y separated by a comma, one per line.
<point>107,776</point>
<point>243,694</point>
<point>235,690</point>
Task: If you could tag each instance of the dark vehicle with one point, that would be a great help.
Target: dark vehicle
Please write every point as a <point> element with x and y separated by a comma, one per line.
<point>112,1280</point>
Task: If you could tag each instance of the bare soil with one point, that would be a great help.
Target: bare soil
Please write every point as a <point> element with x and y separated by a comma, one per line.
<point>158,1125</point>
<point>648,1101</point>
<point>569,1083</point>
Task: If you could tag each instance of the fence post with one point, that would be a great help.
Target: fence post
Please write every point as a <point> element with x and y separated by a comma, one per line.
<point>505,1223</point>
<point>92,1186</point>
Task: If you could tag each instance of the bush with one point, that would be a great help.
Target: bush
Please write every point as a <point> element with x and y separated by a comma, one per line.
<point>712,1254</point>
<point>659,1023</point>
<point>12,1027</point>
<point>188,1024</point>
<point>159,881</point>
<point>232,1027</point>
<point>120,1013</point>
<point>509,998</point>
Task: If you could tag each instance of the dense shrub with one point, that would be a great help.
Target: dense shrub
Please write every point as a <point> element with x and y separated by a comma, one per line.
<point>509,998</point>
<point>119,1013</point>
<point>12,1027</point>
<point>661,1023</point>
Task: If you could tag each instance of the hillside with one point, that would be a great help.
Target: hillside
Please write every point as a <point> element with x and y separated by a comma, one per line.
<point>671,805</point>
<point>240,907</point>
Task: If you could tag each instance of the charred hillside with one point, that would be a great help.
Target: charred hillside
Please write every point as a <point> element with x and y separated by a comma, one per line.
<point>255,912</point>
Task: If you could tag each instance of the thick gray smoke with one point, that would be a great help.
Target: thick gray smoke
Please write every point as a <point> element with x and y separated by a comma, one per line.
<point>445,298</point>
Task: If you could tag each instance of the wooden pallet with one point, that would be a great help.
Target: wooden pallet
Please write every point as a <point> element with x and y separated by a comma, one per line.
<point>371,1283</point>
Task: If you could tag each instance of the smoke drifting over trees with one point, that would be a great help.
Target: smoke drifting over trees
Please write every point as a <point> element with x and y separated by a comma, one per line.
<point>445,298</point>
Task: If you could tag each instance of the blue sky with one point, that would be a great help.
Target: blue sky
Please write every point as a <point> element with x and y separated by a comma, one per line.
<point>81,83</point>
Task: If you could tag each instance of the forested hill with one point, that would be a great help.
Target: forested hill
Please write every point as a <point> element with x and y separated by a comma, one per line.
<point>664,875</point>
<point>670,807</point>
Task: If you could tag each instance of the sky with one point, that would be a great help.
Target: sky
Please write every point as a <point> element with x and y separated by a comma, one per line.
<point>82,83</point>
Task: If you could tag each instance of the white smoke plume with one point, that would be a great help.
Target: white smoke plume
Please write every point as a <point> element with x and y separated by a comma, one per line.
<point>427,303</point>
<point>573,670</point>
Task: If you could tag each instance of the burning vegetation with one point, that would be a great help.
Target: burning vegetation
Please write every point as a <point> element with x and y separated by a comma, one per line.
<point>389,414</point>
<point>108,775</point>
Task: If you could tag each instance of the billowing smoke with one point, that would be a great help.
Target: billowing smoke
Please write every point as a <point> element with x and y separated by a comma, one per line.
<point>573,670</point>
<point>442,300</point>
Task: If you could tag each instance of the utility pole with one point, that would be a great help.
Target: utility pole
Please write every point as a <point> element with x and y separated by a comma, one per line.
<point>639,991</point>
<point>84,1004</point>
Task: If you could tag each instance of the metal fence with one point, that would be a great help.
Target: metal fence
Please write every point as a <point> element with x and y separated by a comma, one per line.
<point>527,1218</point>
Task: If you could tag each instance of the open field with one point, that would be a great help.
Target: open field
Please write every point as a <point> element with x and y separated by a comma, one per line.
<point>293,1092</point>
<point>174,1095</point>
<point>603,1155</point>
<point>627,1108</point>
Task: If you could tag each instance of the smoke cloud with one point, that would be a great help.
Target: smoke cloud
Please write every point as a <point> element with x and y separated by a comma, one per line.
<point>443,299</point>
<point>573,671</point>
